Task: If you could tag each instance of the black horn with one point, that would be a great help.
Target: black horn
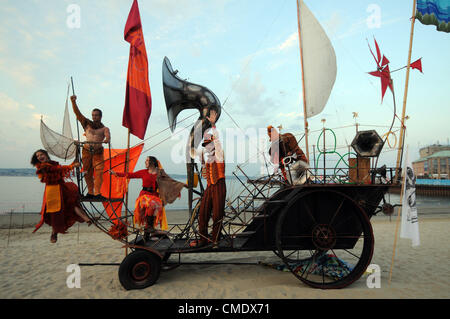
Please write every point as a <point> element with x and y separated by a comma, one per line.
<point>182,95</point>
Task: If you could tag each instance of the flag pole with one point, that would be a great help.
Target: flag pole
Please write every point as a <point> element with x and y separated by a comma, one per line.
<point>402,137</point>
<point>127,157</point>
<point>396,227</point>
<point>408,67</point>
<point>305,118</point>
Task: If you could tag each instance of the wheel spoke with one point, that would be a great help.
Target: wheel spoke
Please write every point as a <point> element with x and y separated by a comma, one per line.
<point>349,252</point>
<point>337,211</point>
<point>308,267</point>
<point>339,262</point>
<point>307,209</point>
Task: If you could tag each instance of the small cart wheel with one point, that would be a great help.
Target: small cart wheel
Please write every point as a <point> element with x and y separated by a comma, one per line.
<point>325,239</point>
<point>139,270</point>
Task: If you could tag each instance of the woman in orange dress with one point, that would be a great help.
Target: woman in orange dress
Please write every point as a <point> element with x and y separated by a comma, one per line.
<point>158,189</point>
<point>61,204</point>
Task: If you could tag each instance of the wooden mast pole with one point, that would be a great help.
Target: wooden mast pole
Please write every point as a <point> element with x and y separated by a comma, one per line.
<point>303,79</point>
<point>401,140</point>
<point>77,153</point>
<point>127,158</point>
<point>402,129</point>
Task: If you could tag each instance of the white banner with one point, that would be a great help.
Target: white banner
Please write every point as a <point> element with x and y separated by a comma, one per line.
<point>410,221</point>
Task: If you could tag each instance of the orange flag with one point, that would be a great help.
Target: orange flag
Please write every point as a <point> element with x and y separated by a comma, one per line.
<point>138,100</point>
<point>117,185</point>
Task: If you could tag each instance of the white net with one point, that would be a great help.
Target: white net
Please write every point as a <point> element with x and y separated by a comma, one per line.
<point>57,144</point>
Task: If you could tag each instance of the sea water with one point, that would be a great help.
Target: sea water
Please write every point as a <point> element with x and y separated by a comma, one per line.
<point>24,194</point>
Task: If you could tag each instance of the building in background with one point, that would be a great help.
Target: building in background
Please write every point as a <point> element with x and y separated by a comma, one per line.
<point>433,162</point>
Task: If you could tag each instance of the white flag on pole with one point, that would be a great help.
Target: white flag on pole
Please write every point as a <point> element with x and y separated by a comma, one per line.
<point>410,221</point>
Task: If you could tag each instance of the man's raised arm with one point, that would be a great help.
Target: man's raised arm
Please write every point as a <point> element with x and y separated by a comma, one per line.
<point>83,120</point>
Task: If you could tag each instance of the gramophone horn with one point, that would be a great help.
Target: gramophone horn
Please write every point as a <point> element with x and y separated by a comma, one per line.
<point>182,95</point>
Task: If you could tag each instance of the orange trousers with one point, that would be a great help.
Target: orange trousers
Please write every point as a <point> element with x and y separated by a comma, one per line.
<point>93,163</point>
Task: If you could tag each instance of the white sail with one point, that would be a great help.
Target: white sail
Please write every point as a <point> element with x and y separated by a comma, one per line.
<point>319,62</point>
<point>67,129</point>
<point>59,145</point>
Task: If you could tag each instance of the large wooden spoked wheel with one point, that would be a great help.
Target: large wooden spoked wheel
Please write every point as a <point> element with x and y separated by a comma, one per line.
<point>139,270</point>
<point>324,238</point>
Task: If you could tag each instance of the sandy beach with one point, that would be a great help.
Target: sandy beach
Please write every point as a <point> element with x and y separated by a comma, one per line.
<point>32,267</point>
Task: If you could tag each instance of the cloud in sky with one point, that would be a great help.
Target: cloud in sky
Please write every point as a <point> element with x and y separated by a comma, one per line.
<point>289,42</point>
<point>7,104</point>
<point>21,72</point>
<point>290,115</point>
<point>21,115</point>
<point>249,99</point>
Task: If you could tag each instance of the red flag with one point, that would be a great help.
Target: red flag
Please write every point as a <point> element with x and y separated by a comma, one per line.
<point>138,100</point>
<point>383,71</point>
<point>385,77</point>
<point>376,61</point>
<point>417,65</point>
<point>378,51</point>
<point>385,61</point>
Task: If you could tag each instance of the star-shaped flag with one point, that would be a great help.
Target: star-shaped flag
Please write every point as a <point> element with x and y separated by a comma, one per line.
<point>383,71</point>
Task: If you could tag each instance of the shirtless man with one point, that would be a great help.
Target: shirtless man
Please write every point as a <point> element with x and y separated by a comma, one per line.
<point>92,153</point>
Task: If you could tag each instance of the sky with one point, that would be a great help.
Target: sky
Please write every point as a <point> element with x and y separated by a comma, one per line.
<point>245,51</point>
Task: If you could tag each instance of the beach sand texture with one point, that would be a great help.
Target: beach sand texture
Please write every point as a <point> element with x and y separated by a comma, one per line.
<point>32,267</point>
